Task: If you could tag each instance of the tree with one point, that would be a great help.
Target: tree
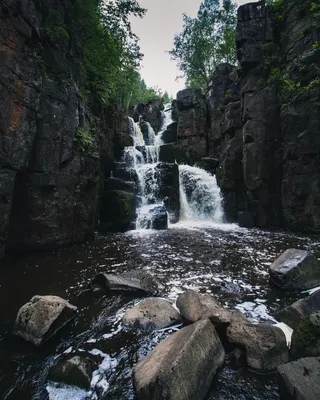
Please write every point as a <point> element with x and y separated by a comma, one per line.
<point>205,42</point>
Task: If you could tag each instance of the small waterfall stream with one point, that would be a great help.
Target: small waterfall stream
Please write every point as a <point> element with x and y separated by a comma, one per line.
<point>200,197</point>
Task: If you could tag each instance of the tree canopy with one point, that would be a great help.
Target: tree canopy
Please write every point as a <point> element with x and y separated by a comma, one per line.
<point>206,41</point>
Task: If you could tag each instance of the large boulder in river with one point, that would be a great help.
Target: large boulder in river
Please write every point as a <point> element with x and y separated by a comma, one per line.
<point>300,380</point>
<point>194,306</point>
<point>265,345</point>
<point>295,269</point>
<point>182,366</point>
<point>151,314</point>
<point>74,371</point>
<point>42,317</point>
<point>132,281</point>
<point>296,312</point>
<point>305,341</point>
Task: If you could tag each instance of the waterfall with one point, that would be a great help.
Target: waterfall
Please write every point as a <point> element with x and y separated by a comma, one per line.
<point>144,160</point>
<point>200,197</point>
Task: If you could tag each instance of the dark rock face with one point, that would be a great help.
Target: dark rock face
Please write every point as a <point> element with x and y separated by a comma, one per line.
<point>265,345</point>
<point>48,183</point>
<point>168,182</point>
<point>151,314</point>
<point>159,219</point>
<point>305,341</point>
<point>300,380</point>
<point>133,281</point>
<point>295,269</point>
<point>294,314</point>
<point>118,210</point>
<point>150,112</point>
<point>268,147</point>
<point>167,153</point>
<point>182,366</point>
<point>192,125</point>
<point>74,371</point>
<point>170,134</point>
<point>40,318</point>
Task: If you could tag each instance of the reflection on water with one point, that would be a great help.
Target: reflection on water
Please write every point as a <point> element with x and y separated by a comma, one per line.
<point>226,261</point>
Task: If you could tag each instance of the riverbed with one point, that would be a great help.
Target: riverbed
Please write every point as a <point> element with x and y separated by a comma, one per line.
<point>229,262</point>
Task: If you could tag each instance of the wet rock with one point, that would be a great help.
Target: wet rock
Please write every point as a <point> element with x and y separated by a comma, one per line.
<point>166,153</point>
<point>295,269</point>
<point>119,184</point>
<point>159,218</point>
<point>170,134</point>
<point>296,312</point>
<point>245,219</point>
<point>209,164</point>
<point>40,318</point>
<point>117,211</point>
<point>305,341</point>
<point>182,366</point>
<point>168,189</point>
<point>194,306</point>
<point>151,314</point>
<point>74,371</point>
<point>265,345</point>
<point>300,380</point>
<point>132,281</point>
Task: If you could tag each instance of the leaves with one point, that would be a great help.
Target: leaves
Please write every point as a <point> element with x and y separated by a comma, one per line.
<point>206,41</point>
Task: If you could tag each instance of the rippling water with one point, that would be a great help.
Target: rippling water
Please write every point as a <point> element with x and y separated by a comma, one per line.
<point>226,261</point>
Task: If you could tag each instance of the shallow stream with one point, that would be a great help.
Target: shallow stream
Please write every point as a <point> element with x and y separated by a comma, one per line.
<point>224,260</point>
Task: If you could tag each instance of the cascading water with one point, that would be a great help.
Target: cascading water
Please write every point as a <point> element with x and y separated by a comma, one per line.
<point>200,197</point>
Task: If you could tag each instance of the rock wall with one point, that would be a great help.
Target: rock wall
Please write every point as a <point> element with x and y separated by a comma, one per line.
<point>268,142</point>
<point>49,139</point>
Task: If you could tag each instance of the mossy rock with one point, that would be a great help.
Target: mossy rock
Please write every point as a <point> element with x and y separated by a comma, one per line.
<point>306,338</point>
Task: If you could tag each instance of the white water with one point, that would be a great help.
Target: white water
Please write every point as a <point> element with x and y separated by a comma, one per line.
<point>200,196</point>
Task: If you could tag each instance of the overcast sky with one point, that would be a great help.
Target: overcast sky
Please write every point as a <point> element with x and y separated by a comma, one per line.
<point>156,31</point>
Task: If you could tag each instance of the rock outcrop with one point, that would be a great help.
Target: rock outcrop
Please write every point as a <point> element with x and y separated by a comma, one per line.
<point>305,341</point>
<point>133,281</point>
<point>300,380</point>
<point>182,366</point>
<point>265,345</point>
<point>295,269</point>
<point>151,314</point>
<point>296,312</point>
<point>40,318</point>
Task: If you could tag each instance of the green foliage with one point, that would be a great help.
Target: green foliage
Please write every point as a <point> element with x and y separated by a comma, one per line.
<point>86,139</point>
<point>54,28</point>
<point>206,41</point>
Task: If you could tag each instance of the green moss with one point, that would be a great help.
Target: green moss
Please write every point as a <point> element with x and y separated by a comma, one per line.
<point>54,28</point>
<point>307,333</point>
<point>86,139</point>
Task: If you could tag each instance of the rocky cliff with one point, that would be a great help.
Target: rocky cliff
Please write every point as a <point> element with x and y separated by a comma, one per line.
<point>263,118</point>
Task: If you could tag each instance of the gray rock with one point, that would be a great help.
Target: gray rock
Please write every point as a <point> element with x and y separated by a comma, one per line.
<point>182,366</point>
<point>151,314</point>
<point>305,341</point>
<point>194,306</point>
<point>74,371</point>
<point>296,312</point>
<point>265,345</point>
<point>133,281</point>
<point>300,380</point>
<point>166,153</point>
<point>40,318</point>
<point>170,134</point>
<point>159,218</point>
<point>245,219</point>
<point>295,269</point>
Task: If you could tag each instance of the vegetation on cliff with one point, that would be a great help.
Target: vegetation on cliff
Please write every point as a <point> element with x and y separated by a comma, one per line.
<point>206,41</point>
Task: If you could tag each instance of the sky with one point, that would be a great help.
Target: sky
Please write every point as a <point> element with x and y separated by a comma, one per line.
<point>156,31</point>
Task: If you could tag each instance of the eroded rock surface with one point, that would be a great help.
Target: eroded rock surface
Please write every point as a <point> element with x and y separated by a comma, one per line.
<point>182,366</point>
<point>151,314</point>
<point>295,269</point>
<point>42,317</point>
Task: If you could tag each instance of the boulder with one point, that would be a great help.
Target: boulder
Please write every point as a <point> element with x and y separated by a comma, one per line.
<point>133,281</point>
<point>265,345</point>
<point>295,269</point>
<point>166,153</point>
<point>159,218</point>
<point>300,380</point>
<point>40,318</point>
<point>305,341</point>
<point>74,371</point>
<point>117,210</point>
<point>182,366</point>
<point>296,312</point>
<point>151,314</point>
<point>194,306</point>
